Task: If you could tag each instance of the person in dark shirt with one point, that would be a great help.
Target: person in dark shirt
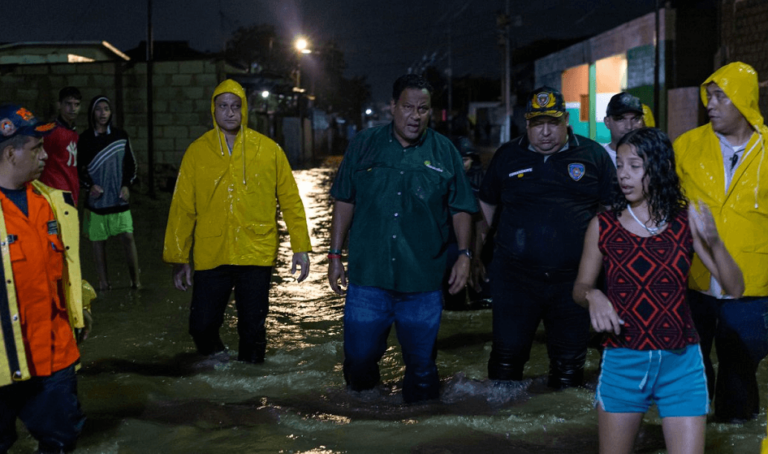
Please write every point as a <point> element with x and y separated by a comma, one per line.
<point>548,184</point>
<point>398,188</point>
<point>477,294</point>
<point>107,170</point>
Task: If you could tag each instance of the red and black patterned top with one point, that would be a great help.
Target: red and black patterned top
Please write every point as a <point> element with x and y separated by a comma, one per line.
<point>647,278</point>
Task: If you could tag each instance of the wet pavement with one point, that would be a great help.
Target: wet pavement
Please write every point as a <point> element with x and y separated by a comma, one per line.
<point>145,391</point>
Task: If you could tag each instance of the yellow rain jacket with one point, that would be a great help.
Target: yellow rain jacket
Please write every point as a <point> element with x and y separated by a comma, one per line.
<point>741,213</point>
<point>765,446</point>
<point>226,204</point>
<point>15,354</point>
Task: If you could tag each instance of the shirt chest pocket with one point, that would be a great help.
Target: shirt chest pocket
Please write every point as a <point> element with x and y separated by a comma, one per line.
<point>16,249</point>
<point>426,185</point>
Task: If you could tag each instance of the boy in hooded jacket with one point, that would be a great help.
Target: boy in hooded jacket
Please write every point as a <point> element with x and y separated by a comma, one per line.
<point>723,164</point>
<point>225,203</point>
<point>107,170</point>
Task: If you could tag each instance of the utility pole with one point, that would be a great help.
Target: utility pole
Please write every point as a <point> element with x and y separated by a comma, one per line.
<point>450,81</point>
<point>507,77</point>
<point>656,75</point>
<point>150,104</point>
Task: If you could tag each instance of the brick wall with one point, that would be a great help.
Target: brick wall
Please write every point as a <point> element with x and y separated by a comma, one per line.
<point>744,37</point>
<point>182,100</point>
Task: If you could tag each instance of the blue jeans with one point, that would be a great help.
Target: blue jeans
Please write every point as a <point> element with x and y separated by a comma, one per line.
<point>47,406</point>
<point>368,317</point>
<point>739,330</point>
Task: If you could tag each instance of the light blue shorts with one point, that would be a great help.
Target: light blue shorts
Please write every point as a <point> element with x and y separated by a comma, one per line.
<point>632,380</point>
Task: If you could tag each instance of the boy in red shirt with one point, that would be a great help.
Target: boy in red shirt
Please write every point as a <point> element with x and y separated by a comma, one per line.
<point>61,145</point>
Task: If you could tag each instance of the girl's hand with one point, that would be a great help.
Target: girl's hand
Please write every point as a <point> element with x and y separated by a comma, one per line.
<point>700,219</point>
<point>604,318</point>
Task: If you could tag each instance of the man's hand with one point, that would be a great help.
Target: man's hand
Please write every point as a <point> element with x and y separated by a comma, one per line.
<point>125,193</point>
<point>182,276</point>
<point>301,259</point>
<point>96,191</point>
<point>82,334</point>
<point>335,273</point>
<point>477,274</point>
<point>459,275</point>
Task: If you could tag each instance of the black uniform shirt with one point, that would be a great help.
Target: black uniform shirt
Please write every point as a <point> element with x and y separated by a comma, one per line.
<point>546,204</point>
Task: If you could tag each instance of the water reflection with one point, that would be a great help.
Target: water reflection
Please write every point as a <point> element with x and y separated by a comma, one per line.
<point>145,391</point>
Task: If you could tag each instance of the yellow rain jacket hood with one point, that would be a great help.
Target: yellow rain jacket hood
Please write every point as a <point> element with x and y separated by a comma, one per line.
<point>225,202</point>
<point>741,209</point>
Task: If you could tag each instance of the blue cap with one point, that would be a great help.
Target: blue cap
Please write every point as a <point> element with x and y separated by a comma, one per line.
<point>16,120</point>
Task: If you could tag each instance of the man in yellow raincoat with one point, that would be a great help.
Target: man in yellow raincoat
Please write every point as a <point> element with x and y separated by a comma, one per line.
<point>723,163</point>
<point>225,203</point>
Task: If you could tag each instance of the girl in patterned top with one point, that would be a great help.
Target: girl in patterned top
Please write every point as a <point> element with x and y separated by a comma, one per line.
<point>645,243</point>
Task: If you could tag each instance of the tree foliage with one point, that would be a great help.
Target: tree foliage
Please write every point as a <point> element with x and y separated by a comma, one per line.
<point>259,49</point>
<point>262,51</point>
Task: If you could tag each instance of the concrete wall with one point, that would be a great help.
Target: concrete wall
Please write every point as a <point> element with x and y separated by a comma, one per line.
<point>182,97</point>
<point>635,39</point>
<point>636,33</point>
<point>683,106</point>
<point>744,37</point>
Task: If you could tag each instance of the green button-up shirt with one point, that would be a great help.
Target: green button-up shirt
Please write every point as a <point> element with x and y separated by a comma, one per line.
<point>404,201</point>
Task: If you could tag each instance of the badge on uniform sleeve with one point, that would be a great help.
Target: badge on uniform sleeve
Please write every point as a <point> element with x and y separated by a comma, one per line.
<point>576,171</point>
<point>53,227</point>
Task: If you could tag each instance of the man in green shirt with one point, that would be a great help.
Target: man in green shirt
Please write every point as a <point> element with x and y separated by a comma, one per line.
<point>397,189</point>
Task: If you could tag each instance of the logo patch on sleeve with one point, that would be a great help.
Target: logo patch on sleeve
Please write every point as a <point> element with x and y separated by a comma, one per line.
<point>576,171</point>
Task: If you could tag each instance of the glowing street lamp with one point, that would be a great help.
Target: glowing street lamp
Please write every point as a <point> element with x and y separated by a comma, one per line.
<point>302,46</point>
<point>265,94</point>
<point>368,111</point>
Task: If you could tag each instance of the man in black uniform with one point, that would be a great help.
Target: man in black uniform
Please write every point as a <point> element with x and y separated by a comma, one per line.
<point>548,183</point>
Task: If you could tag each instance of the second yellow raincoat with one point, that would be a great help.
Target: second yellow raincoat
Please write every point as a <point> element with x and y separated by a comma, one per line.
<point>741,210</point>
<point>226,204</point>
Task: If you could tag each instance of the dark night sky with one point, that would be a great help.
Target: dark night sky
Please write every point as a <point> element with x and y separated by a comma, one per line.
<point>380,39</point>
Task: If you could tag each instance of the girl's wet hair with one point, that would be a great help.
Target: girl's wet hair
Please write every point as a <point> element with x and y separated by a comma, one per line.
<point>665,196</point>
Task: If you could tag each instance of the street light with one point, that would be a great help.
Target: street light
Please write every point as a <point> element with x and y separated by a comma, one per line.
<point>302,46</point>
<point>265,94</point>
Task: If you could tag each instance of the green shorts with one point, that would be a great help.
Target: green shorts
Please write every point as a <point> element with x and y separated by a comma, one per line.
<point>99,227</point>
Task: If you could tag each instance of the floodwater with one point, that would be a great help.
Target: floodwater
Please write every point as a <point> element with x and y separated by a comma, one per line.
<point>144,390</point>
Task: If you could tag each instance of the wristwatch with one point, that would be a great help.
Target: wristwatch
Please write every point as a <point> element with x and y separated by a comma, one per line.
<point>466,252</point>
